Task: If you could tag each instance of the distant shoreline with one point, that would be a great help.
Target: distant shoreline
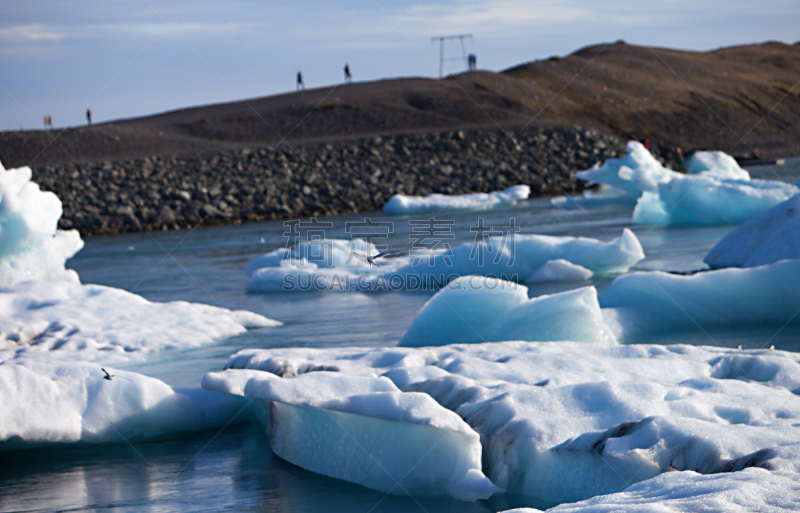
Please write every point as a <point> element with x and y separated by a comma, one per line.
<point>360,175</point>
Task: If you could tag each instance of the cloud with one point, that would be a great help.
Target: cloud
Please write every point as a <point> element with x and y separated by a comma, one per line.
<point>26,33</point>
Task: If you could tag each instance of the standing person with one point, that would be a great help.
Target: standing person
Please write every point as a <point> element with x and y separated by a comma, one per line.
<point>347,77</point>
<point>300,86</point>
<point>89,116</point>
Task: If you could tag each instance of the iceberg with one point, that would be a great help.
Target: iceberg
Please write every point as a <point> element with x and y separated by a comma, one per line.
<point>46,404</point>
<point>31,246</point>
<point>768,237</point>
<point>476,309</point>
<point>400,204</point>
<point>706,200</point>
<point>658,302</point>
<point>567,421</point>
<point>93,322</point>
<point>332,265</point>
<point>715,190</point>
<point>364,430</point>
<point>717,164</point>
<point>560,270</point>
<point>752,489</point>
<point>636,172</point>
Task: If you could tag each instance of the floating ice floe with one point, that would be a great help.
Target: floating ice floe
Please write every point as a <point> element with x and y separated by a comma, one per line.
<point>751,489</point>
<point>332,265</point>
<point>658,302</point>
<point>47,404</point>
<point>364,430</point>
<point>717,164</point>
<point>705,200</point>
<point>765,238</point>
<point>400,204</point>
<point>93,322</point>
<point>716,190</point>
<point>31,246</point>
<point>475,309</point>
<point>564,421</point>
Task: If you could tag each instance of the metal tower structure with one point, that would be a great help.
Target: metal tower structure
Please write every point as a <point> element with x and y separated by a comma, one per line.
<point>442,39</point>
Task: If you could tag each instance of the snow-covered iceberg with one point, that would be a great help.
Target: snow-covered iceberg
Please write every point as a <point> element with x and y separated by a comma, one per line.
<point>93,322</point>
<point>364,430</point>
<point>332,265</point>
<point>706,200</point>
<point>765,238</point>
<point>564,421</point>
<point>400,204</point>
<point>474,309</point>
<point>636,172</point>
<point>658,302</point>
<point>715,191</point>
<point>31,246</point>
<point>717,164</point>
<point>47,404</point>
<point>751,489</point>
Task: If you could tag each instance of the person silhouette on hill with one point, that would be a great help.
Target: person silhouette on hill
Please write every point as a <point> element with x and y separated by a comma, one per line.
<point>89,116</point>
<point>347,77</point>
<point>300,86</point>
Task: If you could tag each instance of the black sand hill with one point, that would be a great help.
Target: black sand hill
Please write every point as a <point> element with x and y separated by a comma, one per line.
<point>734,99</point>
<point>349,148</point>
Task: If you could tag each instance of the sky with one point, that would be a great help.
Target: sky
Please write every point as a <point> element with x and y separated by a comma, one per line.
<point>130,58</point>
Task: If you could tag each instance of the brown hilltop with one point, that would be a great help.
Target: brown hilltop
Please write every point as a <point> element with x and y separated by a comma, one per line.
<point>693,99</point>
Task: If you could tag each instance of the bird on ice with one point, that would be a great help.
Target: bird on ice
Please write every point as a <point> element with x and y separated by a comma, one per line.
<point>371,259</point>
<point>109,376</point>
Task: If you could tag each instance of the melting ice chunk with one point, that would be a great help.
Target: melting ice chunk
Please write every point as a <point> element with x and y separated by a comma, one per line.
<point>72,402</point>
<point>476,309</point>
<point>93,322</point>
<point>364,430</point>
<point>400,204</point>
<point>716,190</point>
<point>332,265</point>
<point>31,248</point>
<point>657,302</point>
<point>765,238</point>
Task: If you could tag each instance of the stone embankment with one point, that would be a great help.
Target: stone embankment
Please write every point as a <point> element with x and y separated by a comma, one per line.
<point>158,193</point>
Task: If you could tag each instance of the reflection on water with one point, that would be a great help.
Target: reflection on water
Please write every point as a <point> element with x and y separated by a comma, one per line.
<point>235,470</point>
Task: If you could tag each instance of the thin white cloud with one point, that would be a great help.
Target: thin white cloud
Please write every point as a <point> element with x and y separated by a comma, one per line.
<point>26,33</point>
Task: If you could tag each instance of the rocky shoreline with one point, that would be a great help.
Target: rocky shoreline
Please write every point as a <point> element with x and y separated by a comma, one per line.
<point>158,193</point>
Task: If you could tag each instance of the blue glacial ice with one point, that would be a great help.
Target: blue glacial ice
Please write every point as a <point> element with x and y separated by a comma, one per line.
<point>765,238</point>
<point>365,430</point>
<point>475,309</point>
<point>46,403</point>
<point>565,421</point>
<point>715,190</point>
<point>332,265</point>
<point>31,246</point>
<point>705,200</point>
<point>658,302</point>
<point>400,204</point>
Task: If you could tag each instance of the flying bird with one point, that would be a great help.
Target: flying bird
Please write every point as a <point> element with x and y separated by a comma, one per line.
<point>109,376</point>
<point>371,259</point>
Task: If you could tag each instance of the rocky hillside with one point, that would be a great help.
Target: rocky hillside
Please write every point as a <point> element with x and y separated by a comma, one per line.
<point>735,99</point>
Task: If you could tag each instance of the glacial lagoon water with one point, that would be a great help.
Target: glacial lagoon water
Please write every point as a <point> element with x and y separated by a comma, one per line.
<point>234,469</point>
